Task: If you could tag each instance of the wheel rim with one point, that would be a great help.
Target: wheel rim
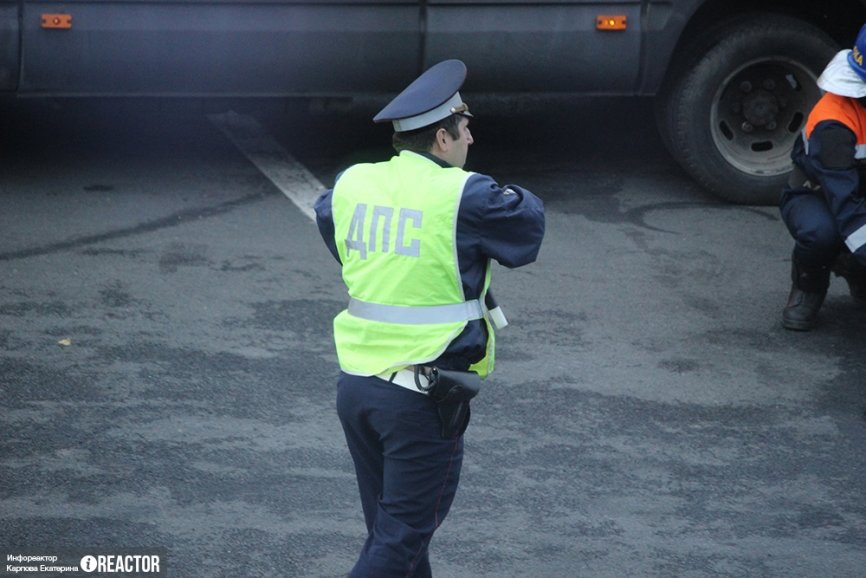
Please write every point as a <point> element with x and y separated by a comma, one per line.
<point>758,112</point>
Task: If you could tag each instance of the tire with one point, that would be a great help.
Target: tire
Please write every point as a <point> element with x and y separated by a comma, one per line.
<point>736,100</point>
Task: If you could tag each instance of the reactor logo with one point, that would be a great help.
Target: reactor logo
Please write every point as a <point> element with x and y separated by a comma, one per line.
<point>122,564</point>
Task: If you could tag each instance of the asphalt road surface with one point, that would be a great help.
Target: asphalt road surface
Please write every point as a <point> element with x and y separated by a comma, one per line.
<point>167,373</point>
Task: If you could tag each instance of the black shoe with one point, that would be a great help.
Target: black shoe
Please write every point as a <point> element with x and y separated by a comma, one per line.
<point>808,290</point>
<point>801,312</point>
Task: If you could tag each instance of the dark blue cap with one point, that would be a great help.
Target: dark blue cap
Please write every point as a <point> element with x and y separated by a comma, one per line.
<point>430,98</point>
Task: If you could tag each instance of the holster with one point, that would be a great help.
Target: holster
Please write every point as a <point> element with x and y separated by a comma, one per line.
<point>452,390</point>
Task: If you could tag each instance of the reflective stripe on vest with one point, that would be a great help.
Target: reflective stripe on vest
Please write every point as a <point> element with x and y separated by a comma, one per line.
<point>856,240</point>
<point>455,312</point>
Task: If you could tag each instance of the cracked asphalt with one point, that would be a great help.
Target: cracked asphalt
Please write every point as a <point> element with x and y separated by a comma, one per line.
<point>167,375</point>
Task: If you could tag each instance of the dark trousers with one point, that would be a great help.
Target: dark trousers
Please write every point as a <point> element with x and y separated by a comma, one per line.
<point>810,222</point>
<point>407,474</point>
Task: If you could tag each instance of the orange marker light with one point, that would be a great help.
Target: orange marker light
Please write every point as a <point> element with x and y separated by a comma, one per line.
<point>614,22</point>
<point>57,21</point>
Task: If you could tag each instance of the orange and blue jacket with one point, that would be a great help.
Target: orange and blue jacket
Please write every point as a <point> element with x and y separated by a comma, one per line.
<point>832,154</point>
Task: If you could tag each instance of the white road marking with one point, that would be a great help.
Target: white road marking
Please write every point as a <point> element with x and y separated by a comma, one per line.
<point>297,183</point>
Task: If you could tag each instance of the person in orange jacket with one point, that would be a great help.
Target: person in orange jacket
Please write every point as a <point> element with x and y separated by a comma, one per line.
<point>823,205</point>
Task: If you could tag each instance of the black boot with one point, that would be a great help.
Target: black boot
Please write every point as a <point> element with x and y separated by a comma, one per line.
<point>847,267</point>
<point>808,289</point>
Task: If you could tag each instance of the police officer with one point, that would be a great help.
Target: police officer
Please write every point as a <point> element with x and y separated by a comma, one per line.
<point>823,205</point>
<point>415,236</point>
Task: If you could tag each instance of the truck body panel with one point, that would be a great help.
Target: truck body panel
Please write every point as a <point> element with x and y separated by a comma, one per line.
<point>157,47</point>
<point>733,80</point>
<point>9,45</point>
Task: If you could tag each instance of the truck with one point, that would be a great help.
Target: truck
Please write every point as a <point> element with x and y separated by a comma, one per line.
<point>732,81</point>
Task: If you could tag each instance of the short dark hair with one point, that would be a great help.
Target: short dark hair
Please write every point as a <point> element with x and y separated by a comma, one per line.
<point>422,139</point>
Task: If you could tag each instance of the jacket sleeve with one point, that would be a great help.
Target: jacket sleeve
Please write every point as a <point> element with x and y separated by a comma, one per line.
<point>831,161</point>
<point>509,220</point>
<point>325,221</point>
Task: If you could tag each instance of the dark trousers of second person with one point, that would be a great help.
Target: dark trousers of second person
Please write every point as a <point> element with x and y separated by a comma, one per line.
<point>811,224</point>
<point>407,473</point>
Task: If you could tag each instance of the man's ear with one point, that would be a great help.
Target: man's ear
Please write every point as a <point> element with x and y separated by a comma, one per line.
<point>442,139</point>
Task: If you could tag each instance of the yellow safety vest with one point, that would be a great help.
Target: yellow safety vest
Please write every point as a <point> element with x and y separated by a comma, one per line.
<point>395,226</point>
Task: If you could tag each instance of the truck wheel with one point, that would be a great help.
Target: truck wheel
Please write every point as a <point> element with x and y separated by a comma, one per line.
<point>738,98</point>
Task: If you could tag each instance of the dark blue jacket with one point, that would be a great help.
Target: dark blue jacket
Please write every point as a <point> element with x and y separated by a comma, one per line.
<point>832,160</point>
